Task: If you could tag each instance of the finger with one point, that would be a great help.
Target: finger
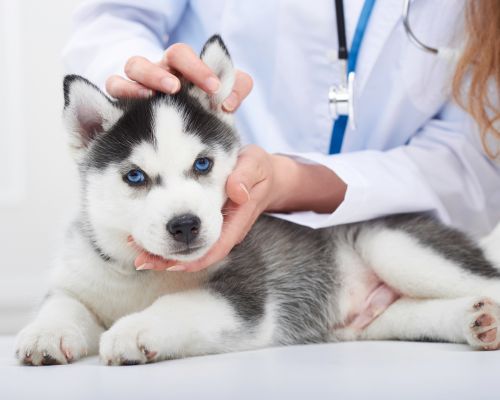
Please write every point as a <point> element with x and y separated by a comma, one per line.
<point>215,254</point>
<point>118,86</point>
<point>148,261</point>
<point>183,59</point>
<point>151,75</point>
<point>250,170</point>
<point>242,87</point>
<point>234,230</point>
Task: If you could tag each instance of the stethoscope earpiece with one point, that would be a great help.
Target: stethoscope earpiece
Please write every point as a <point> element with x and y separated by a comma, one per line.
<point>446,53</point>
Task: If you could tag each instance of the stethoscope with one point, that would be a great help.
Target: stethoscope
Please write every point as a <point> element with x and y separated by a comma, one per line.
<point>340,96</point>
<point>444,52</point>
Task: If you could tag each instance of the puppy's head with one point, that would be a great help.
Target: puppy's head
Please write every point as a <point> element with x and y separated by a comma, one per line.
<point>155,168</point>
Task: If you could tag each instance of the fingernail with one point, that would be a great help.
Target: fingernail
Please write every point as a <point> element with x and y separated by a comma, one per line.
<point>231,102</point>
<point>244,188</point>
<point>145,92</point>
<point>145,266</point>
<point>212,84</point>
<point>176,268</point>
<point>170,85</point>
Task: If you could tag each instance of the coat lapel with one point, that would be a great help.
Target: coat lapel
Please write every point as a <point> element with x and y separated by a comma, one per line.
<point>387,13</point>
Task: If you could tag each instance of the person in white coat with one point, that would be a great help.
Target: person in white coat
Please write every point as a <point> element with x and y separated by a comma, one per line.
<point>410,148</point>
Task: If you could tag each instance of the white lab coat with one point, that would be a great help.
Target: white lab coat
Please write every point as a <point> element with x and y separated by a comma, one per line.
<point>412,148</point>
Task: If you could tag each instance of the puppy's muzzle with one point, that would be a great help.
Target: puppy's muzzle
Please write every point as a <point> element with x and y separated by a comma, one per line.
<point>184,228</point>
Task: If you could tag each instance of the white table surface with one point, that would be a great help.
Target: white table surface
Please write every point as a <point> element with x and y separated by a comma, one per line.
<point>356,370</point>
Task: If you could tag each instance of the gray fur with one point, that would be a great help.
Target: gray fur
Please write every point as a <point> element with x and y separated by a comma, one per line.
<point>449,243</point>
<point>295,267</point>
<point>289,265</point>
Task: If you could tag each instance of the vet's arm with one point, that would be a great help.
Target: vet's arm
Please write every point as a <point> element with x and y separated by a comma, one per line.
<point>107,33</point>
<point>443,170</point>
<point>262,182</point>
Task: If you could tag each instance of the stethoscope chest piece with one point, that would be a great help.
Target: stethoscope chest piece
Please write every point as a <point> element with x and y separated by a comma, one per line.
<point>341,99</point>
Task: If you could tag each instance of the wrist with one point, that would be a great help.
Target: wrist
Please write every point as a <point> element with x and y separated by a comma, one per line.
<point>286,177</point>
<point>304,187</point>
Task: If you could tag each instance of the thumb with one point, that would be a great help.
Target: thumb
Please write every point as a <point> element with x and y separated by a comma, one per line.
<point>248,172</point>
<point>237,191</point>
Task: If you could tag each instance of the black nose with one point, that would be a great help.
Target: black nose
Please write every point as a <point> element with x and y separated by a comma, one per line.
<point>184,228</point>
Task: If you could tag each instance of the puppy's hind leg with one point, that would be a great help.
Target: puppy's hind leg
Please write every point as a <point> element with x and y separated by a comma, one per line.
<point>472,320</point>
<point>422,259</point>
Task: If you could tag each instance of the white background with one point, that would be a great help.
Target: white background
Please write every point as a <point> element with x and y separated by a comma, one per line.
<point>38,191</point>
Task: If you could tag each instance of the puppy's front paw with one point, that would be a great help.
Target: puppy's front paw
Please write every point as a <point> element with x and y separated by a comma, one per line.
<point>482,321</point>
<point>135,339</point>
<point>50,343</point>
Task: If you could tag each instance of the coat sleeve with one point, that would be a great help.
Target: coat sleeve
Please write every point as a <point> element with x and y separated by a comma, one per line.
<point>442,170</point>
<point>107,33</point>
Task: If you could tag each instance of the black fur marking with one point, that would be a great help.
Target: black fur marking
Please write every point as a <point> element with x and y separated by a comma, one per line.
<point>215,39</point>
<point>158,180</point>
<point>87,233</point>
<point>305,286</point>
<point>242,283</point>
<point>99,252</point>
<point>199,122</point>
<point>135,126</point>
<point>448,242</point>
<point>68,81</point>
<point>300,279</point>
<point>88,125</point>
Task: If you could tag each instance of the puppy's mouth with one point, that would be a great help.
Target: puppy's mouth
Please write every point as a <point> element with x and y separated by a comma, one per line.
<point>187,251</point>
<point>178,254</point>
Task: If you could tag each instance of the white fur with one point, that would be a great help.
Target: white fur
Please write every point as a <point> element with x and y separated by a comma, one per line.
<point>414,270</point>
<point>175,325</point>
<point>441,319</point>
<point>491,245</point>
<point>87,106</point>
<point>437,297</point>
<point>217,60</point>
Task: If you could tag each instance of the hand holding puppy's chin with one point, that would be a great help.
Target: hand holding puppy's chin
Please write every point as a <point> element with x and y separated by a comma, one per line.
<point>146,260</point>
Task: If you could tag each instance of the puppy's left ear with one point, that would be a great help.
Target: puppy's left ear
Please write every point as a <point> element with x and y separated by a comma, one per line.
<point>216,56</point>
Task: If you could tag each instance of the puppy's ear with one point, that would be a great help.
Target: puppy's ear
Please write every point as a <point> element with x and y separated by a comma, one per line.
<point>216,56</point>
<point>88,112</point>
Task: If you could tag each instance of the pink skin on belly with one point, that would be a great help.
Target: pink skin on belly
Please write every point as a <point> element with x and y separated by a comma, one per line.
<point>375,304</point>
<point>367,297</point>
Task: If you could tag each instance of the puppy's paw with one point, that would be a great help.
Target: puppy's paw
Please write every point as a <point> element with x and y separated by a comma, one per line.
<point>50,343</point>
<point>482,321</point>
<point>134,339</point>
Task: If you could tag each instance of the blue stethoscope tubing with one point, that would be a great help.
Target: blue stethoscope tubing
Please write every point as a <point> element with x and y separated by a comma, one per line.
<point>340,124</point>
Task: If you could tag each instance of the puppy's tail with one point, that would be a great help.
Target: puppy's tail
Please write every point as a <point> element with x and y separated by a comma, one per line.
<point>491,246</point>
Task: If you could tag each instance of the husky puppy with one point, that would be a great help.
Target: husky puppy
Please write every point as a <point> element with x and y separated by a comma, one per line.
<point>156,169</point>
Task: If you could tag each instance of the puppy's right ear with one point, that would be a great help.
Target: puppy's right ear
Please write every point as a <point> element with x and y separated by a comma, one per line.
<point>88,112</point>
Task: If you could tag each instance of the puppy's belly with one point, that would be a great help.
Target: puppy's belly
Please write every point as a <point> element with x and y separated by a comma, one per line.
<point>369,304</point>
<point>364,296</point>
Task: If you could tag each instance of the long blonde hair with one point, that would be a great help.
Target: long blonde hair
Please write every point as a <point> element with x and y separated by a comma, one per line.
<point>480,62</point>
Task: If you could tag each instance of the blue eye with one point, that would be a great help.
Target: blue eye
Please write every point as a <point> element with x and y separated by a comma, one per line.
<point>202,165</point>
<point>135,177</point>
